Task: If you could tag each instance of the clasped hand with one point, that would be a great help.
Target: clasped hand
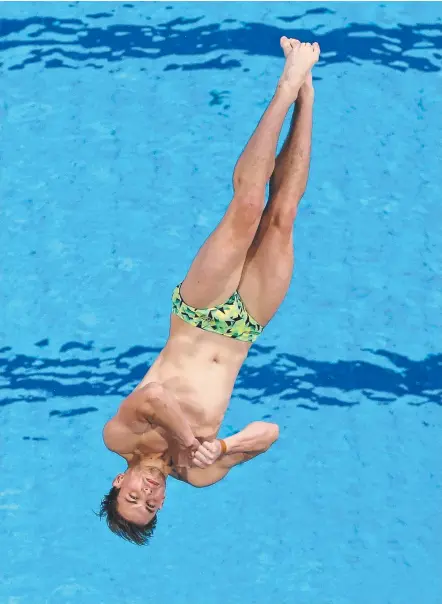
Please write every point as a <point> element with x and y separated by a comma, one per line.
<point>201,455</point>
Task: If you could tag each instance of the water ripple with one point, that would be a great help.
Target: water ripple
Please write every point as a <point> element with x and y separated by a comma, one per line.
<point>82,370</point>
<point>96,42</point>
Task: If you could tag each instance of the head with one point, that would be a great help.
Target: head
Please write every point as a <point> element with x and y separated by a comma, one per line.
<point>132,504</point>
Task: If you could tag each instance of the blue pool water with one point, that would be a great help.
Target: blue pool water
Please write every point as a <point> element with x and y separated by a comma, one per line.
<point>120,127</point>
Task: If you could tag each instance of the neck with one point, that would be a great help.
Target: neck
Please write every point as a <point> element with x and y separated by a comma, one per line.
<point>161,461</point>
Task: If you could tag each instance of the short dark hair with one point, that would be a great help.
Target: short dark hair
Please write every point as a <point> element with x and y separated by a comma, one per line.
<point>135,533</point>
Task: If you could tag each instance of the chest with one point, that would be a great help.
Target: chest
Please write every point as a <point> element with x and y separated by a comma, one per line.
<point>125,440</point>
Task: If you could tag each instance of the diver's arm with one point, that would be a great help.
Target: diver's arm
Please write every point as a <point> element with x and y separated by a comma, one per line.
<point>156,406</point>
<point>151,405</point>
<point>254,439</point>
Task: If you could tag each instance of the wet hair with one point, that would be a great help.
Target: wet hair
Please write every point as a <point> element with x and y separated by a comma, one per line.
<point>135,533</point>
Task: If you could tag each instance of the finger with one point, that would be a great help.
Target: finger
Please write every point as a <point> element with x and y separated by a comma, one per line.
<point>205,450</point>
<point>202,457</point>
<point>199,456</point>
<point>213,447</point>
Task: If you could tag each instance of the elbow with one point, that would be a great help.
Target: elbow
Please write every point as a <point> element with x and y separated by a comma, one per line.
<point>153,392</point>
<point>267,432</point>
<point>273,433</point>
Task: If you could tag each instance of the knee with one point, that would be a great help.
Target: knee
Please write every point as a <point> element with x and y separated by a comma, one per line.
<point>249,206</point>
<point>284,218</point>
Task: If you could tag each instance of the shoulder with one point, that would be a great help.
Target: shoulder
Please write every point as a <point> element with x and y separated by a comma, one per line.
<point>115,437</point>
<point>132,411</point>
<point>141,395</point>
<point>109,430</point>
<point>123,431</point>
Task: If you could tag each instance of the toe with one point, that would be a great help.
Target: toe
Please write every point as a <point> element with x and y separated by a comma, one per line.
<point>294,42</point>
<point>285,45</point>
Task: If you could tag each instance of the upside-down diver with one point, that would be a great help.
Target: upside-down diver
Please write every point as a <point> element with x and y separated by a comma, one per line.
<point>168,426</point>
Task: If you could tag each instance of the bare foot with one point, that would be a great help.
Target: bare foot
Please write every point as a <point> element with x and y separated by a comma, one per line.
<point>300,58</point>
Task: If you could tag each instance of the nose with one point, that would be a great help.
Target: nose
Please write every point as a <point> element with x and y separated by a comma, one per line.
<point>149,489</point>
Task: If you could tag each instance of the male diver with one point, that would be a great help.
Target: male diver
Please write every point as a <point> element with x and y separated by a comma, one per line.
<point>168,426</point>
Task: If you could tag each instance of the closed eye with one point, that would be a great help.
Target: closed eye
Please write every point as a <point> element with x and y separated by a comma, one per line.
<point>150,509</point>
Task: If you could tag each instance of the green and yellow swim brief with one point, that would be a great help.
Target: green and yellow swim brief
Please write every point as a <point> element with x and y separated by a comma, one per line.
<point>230,319</point>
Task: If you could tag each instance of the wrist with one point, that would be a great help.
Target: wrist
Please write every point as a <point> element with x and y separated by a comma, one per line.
<point>223,445</point>
<point>187,439</point>
<point>231,443</point>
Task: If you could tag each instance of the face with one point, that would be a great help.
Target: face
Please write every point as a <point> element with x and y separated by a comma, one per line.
<point>142,493</point>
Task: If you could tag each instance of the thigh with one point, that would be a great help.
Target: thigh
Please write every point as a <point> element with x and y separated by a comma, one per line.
<point>216,270</point>
<point>268,270</point>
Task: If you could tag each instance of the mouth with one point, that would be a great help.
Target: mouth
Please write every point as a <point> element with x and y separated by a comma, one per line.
<point>153,477</point>
<point>152,483</point>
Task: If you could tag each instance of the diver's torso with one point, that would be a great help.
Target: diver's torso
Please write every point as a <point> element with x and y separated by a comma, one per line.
<point>199,369</point>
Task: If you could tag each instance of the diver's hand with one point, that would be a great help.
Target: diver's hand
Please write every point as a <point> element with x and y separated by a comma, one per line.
<point>190,444</point>
<point>186,452</point>
<point>207,453</point>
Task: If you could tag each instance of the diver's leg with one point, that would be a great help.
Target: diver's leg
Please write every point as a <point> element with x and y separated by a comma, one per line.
<point>269,265</point>
<point>215,272</point>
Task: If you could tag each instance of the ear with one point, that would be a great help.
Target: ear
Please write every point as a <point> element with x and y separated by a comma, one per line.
<point>118,480</point>
<point>162,502</point>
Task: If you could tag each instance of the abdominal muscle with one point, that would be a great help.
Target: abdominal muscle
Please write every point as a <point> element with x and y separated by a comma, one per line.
<point>199,369</point>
